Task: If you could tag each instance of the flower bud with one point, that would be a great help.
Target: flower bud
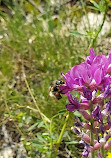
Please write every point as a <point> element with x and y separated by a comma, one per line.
<point>85,115</point>
<point>84,106</point>
<point>107,145</point>
<point>86,138</point>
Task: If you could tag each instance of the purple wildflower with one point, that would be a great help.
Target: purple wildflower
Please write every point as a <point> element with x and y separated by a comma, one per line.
<point>108,107</point>
<point>97,114</point>
<point>86,151</point>
<point>107,91</point>
<point>83,99</point>
<point>64,89</point>
<point>106,81</point>
<point>78,123</point>
<point>101,129</point>
<point>109,121</point>
<point>109,59</point>
<point>92,73</point>
<point>74,104</point>
<point>92,79</point>
<point>69,83</point>
<point>76,130</point>
<point>90,58</point>
<point>98,68</point>
<point>99,155</point>
<point>107,110</point>
<point>80,73</point>
<point>102,62</point>
<point>87,93</point>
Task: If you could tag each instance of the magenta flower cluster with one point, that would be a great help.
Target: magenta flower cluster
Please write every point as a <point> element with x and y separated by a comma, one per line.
<point>92,80</point>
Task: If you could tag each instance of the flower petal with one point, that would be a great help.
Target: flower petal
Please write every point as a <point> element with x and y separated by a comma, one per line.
<point>70,107</point>
<point>98,76</point>
<point>87,93</point>
<point>90,58</point>
<point>97,114</point>
<point>70,98</point>
<point>99,155</point>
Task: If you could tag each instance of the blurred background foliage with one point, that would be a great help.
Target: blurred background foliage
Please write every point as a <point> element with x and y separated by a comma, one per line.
<point>36,41</point>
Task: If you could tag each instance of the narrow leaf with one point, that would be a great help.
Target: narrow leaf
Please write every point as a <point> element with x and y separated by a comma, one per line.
<point>32,127</point>
<point>41,138</point>
<point>71,142</point>
<point>76,33</point>
<point>94,3</point>
<point>94,8</point>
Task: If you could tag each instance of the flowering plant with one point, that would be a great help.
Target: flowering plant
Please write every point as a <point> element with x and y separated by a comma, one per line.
<point>92,80</point>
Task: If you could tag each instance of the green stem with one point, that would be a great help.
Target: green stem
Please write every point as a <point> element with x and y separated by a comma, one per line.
<point>44,118</point>
<point>102,151</point>
<point>99,30</point>
<point>61,134</point>
<point>102,148</point>
<point>91,134</point>
<point>51,140</point>
<point>84,10</point>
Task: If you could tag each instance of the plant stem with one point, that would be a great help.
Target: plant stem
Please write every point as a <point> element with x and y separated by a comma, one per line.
<point>99,30</point>
<point>84,10</point>
<point>91,134</point>
<point>51,140</point>
<point>102,148</point>
<point>61,134</point>
<point>102,151</point>
<point>44,118</point>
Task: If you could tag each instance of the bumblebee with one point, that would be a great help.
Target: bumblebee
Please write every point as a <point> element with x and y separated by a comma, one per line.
<point>55,92</point>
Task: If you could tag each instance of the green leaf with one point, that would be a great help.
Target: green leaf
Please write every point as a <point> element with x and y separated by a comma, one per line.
<point>89,33</point>
<point>41,124</point>
<point>102,7</point>
<point>32,127</point>
<point>36,142</point>
<point>76,33</point>
<point>71,142</point>
<point>28,119</point>
<point>94,8</point>
<point>76,113</point>
<point>62,111</point>
<point>65,134</point>
<point>41,138</point>
<point>94,3</point>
